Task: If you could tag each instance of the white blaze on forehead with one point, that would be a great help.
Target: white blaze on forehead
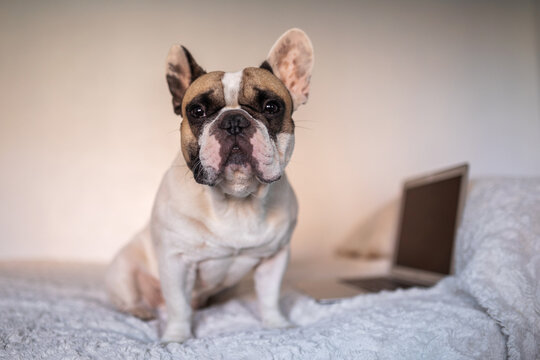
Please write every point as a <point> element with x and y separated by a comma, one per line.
<point>231,87</point>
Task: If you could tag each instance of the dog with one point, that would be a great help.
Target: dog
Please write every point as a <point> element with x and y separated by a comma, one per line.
<point>234,210</point>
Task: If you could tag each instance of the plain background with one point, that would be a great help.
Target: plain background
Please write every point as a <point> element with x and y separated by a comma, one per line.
<point>399,88</point>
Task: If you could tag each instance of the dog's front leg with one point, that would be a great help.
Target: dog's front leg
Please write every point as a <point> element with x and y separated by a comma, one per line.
<point>268,276</point>
<point>177,280</point>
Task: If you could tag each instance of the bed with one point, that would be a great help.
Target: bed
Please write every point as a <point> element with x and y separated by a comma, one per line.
<point>489,310</point>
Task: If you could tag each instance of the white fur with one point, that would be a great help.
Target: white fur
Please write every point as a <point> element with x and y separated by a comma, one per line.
<point>265,152</point>
<point>285,146</point>
<point>204,240</point>
<point>210,146</point>
<point>231,87</point>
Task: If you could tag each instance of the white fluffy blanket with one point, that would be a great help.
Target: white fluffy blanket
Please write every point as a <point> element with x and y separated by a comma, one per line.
<point>489,310</point>
<point>498,258</point>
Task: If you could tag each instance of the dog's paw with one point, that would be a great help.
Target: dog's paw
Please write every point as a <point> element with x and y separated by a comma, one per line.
<point>176,333</point>
<point>277,322</point>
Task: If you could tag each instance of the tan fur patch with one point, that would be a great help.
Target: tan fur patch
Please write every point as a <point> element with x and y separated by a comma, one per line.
<point>187,139</point>
<point>264,80</point>
<point>210,81</point>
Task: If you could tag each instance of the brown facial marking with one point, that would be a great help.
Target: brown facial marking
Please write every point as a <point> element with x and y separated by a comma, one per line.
<point>210,81</point>
<point>257,80</point>
<point>209,84</point>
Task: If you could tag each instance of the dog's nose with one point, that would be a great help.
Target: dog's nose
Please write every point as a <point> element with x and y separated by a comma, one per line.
<point>234,123</point>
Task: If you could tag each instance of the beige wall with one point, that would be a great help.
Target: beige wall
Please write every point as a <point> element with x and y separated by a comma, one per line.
<point>87,128</point>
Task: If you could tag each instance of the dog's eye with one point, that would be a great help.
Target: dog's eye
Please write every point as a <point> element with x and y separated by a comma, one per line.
<point>271,107</point>
<point>197,111</point>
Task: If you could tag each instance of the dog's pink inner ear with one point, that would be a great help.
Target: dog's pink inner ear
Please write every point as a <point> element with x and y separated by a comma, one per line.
<point>291,58</point>
<point>181,71</point>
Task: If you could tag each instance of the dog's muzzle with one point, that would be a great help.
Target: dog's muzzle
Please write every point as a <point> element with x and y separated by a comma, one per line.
<point>236,142</point>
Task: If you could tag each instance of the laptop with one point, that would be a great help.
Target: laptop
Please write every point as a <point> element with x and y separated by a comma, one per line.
<point>430,213</point>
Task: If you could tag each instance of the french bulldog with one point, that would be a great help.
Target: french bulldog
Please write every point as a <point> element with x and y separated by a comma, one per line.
<point>234,210</point>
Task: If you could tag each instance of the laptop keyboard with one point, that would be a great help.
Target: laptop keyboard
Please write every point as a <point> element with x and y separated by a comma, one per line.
<point>378,284</point>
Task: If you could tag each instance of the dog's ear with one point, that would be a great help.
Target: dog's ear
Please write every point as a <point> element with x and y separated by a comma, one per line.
<point>291,60</point>
<point>182,70</point>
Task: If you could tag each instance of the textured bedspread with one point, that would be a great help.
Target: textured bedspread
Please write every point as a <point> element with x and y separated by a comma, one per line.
<point>57,311</point>
<point>489,310</point>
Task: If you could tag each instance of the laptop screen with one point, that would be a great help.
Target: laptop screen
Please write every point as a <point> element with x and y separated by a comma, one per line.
<point>428,225</point>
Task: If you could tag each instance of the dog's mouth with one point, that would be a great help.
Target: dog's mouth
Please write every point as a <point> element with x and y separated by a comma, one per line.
<point>237,155</point>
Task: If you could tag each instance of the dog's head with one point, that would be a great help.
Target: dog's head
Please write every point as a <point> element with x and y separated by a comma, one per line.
<point>238,126</point>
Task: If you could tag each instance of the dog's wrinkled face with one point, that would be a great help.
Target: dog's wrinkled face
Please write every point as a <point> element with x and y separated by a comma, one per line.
<point>238,126</point>
<point>239,122</point>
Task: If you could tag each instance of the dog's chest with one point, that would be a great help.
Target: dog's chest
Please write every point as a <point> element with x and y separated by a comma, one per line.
<point>235,245</point>
<point>239,232</point>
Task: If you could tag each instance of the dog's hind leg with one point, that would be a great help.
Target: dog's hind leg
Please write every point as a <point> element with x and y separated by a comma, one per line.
<point>129,282</point>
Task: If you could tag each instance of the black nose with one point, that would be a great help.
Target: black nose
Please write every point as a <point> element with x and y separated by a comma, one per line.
<point>234,123</point>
